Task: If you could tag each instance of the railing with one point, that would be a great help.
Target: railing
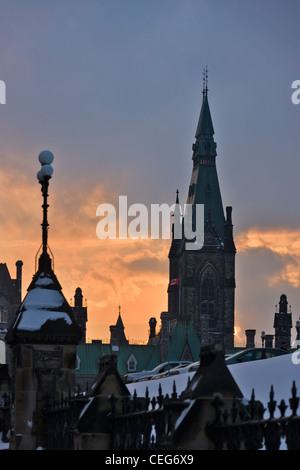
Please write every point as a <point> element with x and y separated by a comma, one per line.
<point>140,424</point>
<point>146,423</point>
<point>5,416</point>
<point>61,417</point>
<point>246,428</point>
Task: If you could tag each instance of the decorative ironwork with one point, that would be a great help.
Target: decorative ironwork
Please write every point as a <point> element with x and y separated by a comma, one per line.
<point>146,423</point>
<point>248,429</point>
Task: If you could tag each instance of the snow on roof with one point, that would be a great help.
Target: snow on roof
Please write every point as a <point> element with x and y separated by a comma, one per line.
<point>43,299</point>
<point>34,319</point>
<point>184,413</point>
<point>44,280</point>
<point>259,375</point>
<point>41,304</point>
<point>90,400</point>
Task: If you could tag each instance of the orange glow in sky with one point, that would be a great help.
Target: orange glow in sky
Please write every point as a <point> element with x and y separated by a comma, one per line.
<point>129,273</point>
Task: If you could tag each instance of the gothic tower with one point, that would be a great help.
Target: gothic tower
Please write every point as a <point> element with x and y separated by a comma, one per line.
<point>117,334</point>
<point>80,312</point>
<point>202,280</point>
<point>42,338</point>
<point>283,324</point>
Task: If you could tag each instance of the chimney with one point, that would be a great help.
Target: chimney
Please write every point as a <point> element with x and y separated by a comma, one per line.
<point>78,297</point>
<point>152,324</point>
<point>19,265</point>
<point>250,334</point>
<point>229,214</point>
<point>269,341</point>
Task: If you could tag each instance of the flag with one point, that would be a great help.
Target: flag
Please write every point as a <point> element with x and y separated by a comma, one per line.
<point>174,282</point>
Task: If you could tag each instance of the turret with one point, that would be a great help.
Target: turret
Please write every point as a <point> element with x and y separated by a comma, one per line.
<point>283,324</point>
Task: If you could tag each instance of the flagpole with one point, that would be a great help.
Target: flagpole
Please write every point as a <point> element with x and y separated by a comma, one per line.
<point>179,297</point>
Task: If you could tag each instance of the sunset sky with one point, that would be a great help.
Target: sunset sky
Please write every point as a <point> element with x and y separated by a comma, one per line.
<point>113,89</point>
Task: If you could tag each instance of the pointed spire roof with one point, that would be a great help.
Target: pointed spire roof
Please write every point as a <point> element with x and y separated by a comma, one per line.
<point>204,186</point>
<point>120,323</point>
<point>205,128</point>
<point>205,144</point>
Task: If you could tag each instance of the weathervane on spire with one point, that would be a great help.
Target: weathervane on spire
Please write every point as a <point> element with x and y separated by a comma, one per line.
<point>205,81</point>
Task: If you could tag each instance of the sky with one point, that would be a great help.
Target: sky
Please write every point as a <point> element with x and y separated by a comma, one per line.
<point>114,88</point>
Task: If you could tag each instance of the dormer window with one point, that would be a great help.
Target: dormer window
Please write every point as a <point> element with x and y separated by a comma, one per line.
<point>131,364</point>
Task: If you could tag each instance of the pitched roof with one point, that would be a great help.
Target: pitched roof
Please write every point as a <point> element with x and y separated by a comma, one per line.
<point>205,126</point>
<point>212,376</point>
<point>108,385</point>
<point>184,336</point>
<point>44,316</point>
<point>8,286</point>
<point>147,356</point>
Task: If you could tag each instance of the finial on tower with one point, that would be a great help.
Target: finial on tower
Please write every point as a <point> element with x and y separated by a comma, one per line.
<point>205,81</point>
<point>44,174</point>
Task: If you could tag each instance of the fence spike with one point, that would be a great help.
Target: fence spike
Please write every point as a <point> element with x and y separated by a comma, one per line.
<point>282,407</point>
<point>160,397</point>
<point>272,403</point>
<point>294,401</point>
<point>174,394</point>
<point>153,402</point>
<point>147,399</point>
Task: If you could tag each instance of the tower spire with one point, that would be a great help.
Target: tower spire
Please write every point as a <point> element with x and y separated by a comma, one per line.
<point>205,129</point>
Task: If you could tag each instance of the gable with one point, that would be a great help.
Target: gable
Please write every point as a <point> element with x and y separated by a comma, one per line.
<point>184,341</point>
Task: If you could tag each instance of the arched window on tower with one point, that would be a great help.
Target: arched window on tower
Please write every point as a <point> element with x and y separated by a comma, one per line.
<point>3,314</point>
<point>208,298</point>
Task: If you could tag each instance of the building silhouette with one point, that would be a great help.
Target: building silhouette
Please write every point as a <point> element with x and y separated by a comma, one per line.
<point>201,286</point>
<point>283,324</point>
<point>202,281</point>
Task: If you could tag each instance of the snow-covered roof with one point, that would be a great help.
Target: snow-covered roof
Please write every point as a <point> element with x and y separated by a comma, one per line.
<point>44,314</point>
<point>259,375</point>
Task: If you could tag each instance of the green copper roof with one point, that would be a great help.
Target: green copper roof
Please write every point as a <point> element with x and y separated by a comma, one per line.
<point>205,126</point>
<point>205,189</point>
<point>204,186</point>
<point>184,336</point>
<point>147,356</point>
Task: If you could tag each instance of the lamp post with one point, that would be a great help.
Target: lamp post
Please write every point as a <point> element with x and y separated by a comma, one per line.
<point>44,175</point>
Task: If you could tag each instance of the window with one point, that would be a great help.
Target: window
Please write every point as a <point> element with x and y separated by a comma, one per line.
<point>131,364</point>
<point>208,295</point>
<point>3,314</point>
